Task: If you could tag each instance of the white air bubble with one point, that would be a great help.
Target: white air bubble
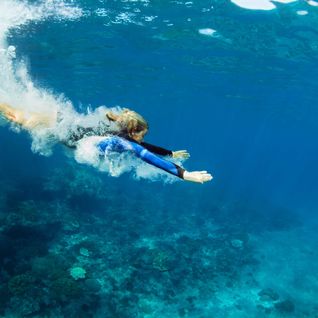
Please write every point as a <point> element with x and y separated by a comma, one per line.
<point>11,52</point>
<point>208,32</point>
<point>260,4</point>
<point>313,3</point>
<point>302,12</point>
<point>284,1</point>
<point>150,18</point>
<point>255,4</point>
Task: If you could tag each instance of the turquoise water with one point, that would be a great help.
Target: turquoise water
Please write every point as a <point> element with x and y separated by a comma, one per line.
<point>235,87</point>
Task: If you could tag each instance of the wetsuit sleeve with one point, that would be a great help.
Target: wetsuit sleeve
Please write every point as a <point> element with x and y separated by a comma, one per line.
<point>119,144</point>
<point>157,150</point>
<point>158,162</point>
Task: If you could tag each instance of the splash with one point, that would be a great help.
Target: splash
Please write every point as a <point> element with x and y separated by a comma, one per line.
<point>18,90</point>
<point>115,164</point>
<point>16,86</point>
<point>17,13</point>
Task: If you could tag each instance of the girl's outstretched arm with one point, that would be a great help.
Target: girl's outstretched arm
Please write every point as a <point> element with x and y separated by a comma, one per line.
<point>119,144</point>
<point>182,154</point>
<point>194,176</point>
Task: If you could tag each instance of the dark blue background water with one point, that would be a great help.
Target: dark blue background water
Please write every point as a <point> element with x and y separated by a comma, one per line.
<point>243,103</point>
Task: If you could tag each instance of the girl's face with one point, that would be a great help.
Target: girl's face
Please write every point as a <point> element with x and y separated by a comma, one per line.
<point>138,136</point>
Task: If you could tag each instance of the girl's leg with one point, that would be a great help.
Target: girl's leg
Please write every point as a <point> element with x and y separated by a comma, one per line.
<point>11,114</point>
<point>27,120</point>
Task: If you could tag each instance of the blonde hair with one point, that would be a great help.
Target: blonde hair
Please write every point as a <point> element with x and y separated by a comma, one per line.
<point>129,121</point>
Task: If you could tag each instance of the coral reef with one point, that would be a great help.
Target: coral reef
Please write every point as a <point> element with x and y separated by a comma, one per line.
<point>138,256</point>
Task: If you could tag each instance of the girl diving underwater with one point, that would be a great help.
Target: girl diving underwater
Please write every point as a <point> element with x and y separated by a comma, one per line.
<point>122,132</point>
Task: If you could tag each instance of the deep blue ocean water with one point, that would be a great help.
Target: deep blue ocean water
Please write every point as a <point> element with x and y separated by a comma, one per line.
<point>240,97</point>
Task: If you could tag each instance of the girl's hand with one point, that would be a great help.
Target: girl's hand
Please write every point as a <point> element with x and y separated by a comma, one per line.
<point>197,176</point>
<point>183,154</point>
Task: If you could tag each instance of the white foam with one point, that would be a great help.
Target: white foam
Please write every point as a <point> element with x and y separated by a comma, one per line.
<point>302,12</point>
<point>313,3</point>
<point>14,13</point>
<point>102,12</point>
<point>208,32</point>
<point>125,18</point>
<point>255,4</point>
<point>87,151</point>
<point>284,1</point>
<point>259,4</point>
<point>150,18</point>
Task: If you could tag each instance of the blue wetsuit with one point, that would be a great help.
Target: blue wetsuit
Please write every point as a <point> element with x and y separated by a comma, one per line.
<point>119,144</point>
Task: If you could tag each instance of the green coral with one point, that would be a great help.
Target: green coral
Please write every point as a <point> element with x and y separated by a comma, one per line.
<point>65,288</point>
<point>75,181</point>
<point>161,261</point>
<point>78,272</point>
<point>21,284</point>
